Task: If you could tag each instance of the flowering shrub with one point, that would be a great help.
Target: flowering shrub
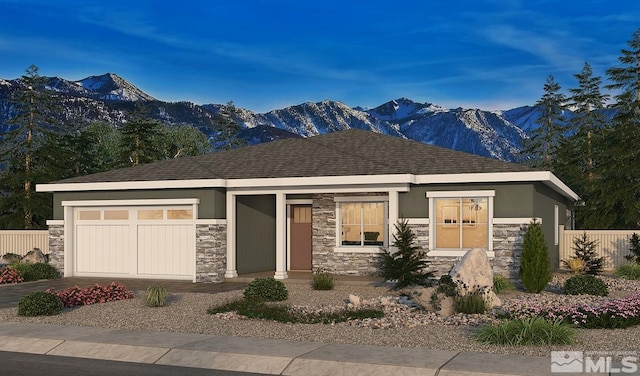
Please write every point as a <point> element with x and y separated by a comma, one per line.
<point>75,296</point>
<point>614,313</point>
<point>10,275</point>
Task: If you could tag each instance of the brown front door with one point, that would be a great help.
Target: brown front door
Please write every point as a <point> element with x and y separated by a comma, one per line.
<point>300,237</point>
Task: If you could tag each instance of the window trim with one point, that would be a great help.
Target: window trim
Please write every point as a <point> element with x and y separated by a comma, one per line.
<point>432,195</point>
<point>362,248</point>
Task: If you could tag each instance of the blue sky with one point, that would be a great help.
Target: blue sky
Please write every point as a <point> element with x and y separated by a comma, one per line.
<point>271,54</point>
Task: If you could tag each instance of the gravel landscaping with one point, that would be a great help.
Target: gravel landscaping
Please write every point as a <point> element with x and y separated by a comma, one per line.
<point>402,326</point>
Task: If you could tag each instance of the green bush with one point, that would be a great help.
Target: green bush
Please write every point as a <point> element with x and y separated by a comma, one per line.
<point>629,271</point>
<point>284,314</point>
<point>407,265</point>
<point>322,280</point>
<point>501,283</point>
<point>266,290</point>
<point>471,303</point>
<point>585,284</point>
<point>535,266</point>
<point>34,272</point>
<point>527,331</point>
<point>634,249</point>
<point>39,303</point>
<point>155,296</point>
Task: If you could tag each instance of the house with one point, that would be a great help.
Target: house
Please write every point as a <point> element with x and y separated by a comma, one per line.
<point>328,201</point>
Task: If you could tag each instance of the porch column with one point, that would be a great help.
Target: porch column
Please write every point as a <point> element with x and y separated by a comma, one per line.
<point>393,216</point>
<point>281,236</point>
<point>231,271</point>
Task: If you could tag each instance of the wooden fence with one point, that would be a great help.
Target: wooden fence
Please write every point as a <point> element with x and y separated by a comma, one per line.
<point>22,241</point>
<point>613,245</point>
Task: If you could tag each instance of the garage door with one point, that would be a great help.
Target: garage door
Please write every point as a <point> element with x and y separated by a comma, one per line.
<point>135,242</point>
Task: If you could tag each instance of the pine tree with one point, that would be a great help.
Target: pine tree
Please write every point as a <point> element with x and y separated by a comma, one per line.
<point>634,249</point>
<point>577,155</point>
<point>227,130</point>
<point>545,139</point>
<point>407,265</point>
<point>33,123</point>
<point>535,265</point>
<point>141,139</point>
<point>585,250</point>
<point>616,191</point>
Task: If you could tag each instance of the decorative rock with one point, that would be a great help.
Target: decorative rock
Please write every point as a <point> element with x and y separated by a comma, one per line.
<point>9,258</point>
<point>34,256</point>
<point>355,300</point>
<point>422,297</point>
<point>473,273</point>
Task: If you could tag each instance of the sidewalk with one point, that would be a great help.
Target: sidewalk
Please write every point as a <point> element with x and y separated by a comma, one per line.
<point>269,356</point>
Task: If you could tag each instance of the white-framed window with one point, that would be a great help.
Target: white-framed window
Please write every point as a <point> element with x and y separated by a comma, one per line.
<point>461,220</point>
<point>362,221</point>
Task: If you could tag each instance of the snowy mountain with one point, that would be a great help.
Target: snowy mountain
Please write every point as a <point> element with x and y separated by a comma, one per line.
<point>110,99</point>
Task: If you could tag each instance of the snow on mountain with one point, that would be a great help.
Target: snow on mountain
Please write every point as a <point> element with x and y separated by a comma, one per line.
<point>108,98</point>
<point>111,87</point>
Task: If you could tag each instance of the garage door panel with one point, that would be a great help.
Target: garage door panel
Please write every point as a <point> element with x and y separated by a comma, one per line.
<point>165,249</point>
<point>103,249</point>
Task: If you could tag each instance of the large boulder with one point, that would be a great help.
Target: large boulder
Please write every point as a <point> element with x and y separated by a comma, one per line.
<point>34,256</point>
<point>9,258</point>
<point>473,273</point>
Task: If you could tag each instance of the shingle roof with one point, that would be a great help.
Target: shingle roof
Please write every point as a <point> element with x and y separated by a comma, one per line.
<point>345,153</point>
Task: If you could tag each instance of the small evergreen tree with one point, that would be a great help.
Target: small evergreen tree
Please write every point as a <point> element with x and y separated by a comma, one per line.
<point>585,249</point>
<point>634,248</point>
<point>226,129</point>
<point>535,265</point>
<point>407,265</point>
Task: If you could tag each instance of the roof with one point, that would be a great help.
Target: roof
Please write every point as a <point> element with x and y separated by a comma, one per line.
<point>345,153</point>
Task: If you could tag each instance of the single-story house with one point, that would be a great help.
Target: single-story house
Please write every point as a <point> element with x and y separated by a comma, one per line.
<point>325,202</point>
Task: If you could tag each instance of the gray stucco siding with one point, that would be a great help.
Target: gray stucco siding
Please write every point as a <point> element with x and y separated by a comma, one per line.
<point>255,233</point>
<point>545,200</point>
<point>212,200</point>
<point>510,201</point>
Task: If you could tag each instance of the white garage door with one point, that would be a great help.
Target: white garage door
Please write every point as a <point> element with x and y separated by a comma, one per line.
<point>135,242</point>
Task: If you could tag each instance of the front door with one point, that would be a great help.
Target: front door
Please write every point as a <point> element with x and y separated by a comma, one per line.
<point>300,237</point>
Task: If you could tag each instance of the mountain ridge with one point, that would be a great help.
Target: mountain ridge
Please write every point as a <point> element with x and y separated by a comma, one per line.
<point>111,99</point>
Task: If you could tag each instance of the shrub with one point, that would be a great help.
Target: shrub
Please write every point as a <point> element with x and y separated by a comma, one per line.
<point>408,263</point>
<point>611,314</point>
<point>322,280</point>
<point>34,272</point>
<point>535,266</point>
<point>155,296</point>
<point>285,314</point>
<point>628,271</point>
<point>39,303</point>
<point>634,249</point>
<point>527,331</point>
<point>75,296</point>
<point>501,283</point>
<point>470,303</point>
<point>585,284</point>
<point>575,264</point>
<point>10,275</point>
<point>266,290</point>
<point>585,249</point>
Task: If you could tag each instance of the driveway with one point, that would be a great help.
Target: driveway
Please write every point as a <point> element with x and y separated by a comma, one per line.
<point>10,294</point>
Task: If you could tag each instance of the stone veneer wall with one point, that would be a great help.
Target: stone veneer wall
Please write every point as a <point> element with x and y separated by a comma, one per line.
<point>324,241</point>
<point>211,253</point>
<point>56,247</point>
<point>507,247</point>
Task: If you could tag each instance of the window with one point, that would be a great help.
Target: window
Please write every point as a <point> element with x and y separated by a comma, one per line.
<point>116,214</point>
<point>152,214</point>
<point>462,222</point>
<point>362,223</point>
<point>179,214</point>
<point>89,215</point>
